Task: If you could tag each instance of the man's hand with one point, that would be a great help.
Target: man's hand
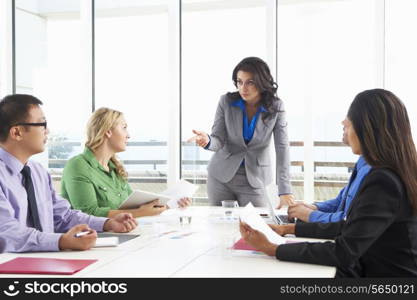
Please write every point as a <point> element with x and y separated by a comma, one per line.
<point>257,239</point>
<point>301,211</point>
<point>68,241</point>
<point>123,222</point>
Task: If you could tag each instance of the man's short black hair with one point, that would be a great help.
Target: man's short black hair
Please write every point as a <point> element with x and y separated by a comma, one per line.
<point>15,109</point>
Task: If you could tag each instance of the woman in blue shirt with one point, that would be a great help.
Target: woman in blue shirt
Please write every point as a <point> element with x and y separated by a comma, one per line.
<point>336,209</point>
<point>241,134</point>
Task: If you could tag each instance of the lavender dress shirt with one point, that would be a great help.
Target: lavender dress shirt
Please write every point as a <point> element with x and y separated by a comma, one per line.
<point>55,213</point>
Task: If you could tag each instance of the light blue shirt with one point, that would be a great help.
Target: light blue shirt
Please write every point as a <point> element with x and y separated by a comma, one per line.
<point>55,213</point>
<point>336,209</point>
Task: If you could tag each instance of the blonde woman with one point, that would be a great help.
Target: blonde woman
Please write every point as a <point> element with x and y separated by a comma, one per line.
<point>95,181</point>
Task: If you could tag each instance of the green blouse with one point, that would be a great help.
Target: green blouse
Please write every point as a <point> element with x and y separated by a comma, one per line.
<point>90,188</point>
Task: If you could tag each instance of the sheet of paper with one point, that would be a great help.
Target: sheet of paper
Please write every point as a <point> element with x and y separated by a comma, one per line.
<point>250,216</point>
<point>179,190</point>
<point>107,242</point>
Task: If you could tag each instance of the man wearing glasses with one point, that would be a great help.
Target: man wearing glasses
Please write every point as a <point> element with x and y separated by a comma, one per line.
<point>33,217</point>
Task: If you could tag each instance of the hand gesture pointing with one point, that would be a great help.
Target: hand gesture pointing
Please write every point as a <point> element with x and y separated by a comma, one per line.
<point>201,138</point>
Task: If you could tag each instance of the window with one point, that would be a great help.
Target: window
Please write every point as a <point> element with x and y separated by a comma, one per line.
<point>401,49</point>
<point>49,65</point>
<point>216,36</point>
<point>326,55</point>
<point>132,76</point>
<point>327,52</point>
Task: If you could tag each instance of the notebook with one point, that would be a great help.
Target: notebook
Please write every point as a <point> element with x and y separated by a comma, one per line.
<point>137,198</point>
<point>122,238</point>
<point>39,265</point>
<point>111,241</point>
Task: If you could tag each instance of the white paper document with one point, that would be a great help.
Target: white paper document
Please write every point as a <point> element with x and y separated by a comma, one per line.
<point>179,190</point>
<point>250,216</point>
<point>107,242</point>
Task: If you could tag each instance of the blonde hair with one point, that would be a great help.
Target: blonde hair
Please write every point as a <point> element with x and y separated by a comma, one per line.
<point>102,120</point>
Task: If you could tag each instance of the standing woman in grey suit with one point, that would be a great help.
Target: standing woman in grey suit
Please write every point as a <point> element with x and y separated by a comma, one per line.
<point>243,126</point>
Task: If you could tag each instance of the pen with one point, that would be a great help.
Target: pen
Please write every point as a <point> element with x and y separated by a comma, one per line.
<point>82,233</point>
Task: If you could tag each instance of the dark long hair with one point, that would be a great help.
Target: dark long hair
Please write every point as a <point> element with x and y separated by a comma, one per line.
<point>264,82</point>
<point>381,123</point>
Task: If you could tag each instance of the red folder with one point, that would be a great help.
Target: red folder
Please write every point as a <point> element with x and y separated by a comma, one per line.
<point>38,265</point>
<point>242,245</point>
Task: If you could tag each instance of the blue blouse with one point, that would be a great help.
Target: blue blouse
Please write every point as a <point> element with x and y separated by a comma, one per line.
<point>336,209</point>
<point>248,127</point>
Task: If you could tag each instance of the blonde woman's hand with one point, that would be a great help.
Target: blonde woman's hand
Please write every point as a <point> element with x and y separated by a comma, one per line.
<point>201,138</point>
<point>184,202</point>
<point>152,208</point>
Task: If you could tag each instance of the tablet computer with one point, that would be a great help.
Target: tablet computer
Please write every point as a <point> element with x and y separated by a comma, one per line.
<point>138,198</point>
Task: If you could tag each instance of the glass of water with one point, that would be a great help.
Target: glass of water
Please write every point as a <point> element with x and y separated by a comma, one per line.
<point>229,206</point>
<point>185,219</point>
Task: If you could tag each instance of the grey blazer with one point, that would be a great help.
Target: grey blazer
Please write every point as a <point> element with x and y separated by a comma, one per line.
<point>227,141</point>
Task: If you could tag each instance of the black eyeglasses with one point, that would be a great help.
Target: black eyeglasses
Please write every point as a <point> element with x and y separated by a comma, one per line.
<point>44,124</point>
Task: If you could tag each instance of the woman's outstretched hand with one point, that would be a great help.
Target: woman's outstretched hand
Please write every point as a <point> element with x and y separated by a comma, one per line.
<point>201,138</point>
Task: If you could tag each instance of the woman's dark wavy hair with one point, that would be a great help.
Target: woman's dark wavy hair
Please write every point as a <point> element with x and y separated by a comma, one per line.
<point>382,125</point>
<point>264,82</point>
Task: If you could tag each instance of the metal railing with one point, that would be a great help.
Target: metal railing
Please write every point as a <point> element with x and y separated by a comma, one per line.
<point>161,176</point>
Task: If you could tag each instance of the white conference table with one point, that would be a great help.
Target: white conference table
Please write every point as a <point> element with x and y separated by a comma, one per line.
<point>165,248</point>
